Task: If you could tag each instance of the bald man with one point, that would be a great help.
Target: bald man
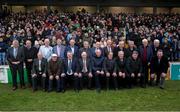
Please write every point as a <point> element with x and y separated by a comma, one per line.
<point>15,57</point>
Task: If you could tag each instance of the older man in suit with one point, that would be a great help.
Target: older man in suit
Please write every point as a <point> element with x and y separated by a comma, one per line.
<point>39,69</point>
<point>85,70</point>
<point>72,48</point>
<point>146,54</point>
<point>55,69</point>
<point>59,49</point>
<point>15,57</point>
<point>108,48</point>
<point>159,66</point>
<point>70,74</point>
<point>134,69</point>
<point>97,69</point>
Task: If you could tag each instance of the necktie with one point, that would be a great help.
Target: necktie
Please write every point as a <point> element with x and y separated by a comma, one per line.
<point>69,67</point>
<point>58,50</point>
<point>145,54</point>
<point>84,66</point>
<point>39,65</point>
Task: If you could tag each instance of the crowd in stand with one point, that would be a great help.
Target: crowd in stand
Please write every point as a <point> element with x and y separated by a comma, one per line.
<point>113,45</point>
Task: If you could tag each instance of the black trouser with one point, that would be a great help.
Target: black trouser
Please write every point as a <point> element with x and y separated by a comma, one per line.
<point>28,69</point>
<point>58,84</point>
<point>135,80</point>
<point>85,81</point>
<point>122,82</point>
<point>111,80</point>
<point>38,81</point>
<point>70,81</point>
<point>159,80</point>
<point>99,80</point>
<point>14,69</point>
<point>146,72</point>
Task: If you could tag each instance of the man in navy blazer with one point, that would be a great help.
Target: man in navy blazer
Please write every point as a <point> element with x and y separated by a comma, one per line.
<point>146,54</point>
<point>97,46</point>
<point>59,49</point>
<point>72,48</point>
<point>70,74</point>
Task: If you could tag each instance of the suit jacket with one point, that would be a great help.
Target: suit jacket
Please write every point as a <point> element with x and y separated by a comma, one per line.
<point>76,51</point>
<point>55,68</point>
<point>30,54</point>
<point>97,63</point>
<point>133,66</point>
<point>20,55</point>
<point>62,50</point>
<point>117,49</point>
<point>149,53</point>
<point>109,65</point>
<point>74,65</point>
<point>120,65</point>
<point>88,65</point>
<point>157,67</point>
<point>88,51</point>
<point>106,51</point>
<point>35,67</point>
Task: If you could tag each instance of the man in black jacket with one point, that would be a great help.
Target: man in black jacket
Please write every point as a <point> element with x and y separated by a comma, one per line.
<point>39,69</point>
<point>159,66</point>
<point>97,69</point>
<point>30,54</point>
<point>110,70</point>
<point>134,69</point>
<point>15,57</point>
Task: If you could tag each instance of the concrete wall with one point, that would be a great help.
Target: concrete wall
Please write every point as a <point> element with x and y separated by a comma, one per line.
<point>92,9</point>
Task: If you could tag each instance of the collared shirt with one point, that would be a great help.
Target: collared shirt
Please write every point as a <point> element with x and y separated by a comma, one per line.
<point>46,51</point>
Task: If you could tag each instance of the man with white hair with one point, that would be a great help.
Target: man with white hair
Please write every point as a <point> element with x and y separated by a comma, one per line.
<point>46,49</point>
<point>146,55</point>
<point>156,46</point>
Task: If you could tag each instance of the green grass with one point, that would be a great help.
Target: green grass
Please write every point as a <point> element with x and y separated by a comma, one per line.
<point>151,98</point>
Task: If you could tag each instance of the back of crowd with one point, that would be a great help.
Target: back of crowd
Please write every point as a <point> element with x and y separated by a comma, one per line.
<point>64,67</point>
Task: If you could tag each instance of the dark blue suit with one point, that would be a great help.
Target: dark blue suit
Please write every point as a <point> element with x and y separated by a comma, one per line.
<point>76,51</point>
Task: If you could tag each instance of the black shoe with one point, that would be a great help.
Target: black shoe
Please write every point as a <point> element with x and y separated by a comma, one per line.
<point>161,87</point>
<point>98,90</point>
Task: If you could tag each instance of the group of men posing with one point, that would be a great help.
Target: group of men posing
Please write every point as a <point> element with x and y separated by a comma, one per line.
<point>62,67</point>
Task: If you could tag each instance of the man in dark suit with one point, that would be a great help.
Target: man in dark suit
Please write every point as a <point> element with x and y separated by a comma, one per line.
<point>131,48</point>
<point>134,69</point>
<point>159,66</point>
<point>30,54</point>
<point>15,57</point>
<point>97,69</point>
<point>146,54</point>
<point>85,48</point>
<point>72,48</point>
<point>123,77</point>
<point>108,48</point>
<point>110,70</point>
<point>55,69</point>
<point>155,47</point>
<point>85,71</point>
<point>39,69</point>
<point>96,47</point>
<point>121,47</point>
<point>70,74</point>
<point>59,49</point>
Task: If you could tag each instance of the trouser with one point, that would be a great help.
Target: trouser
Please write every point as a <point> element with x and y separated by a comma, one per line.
<point>99,80</point>
<point>28,69</point>
<point>122,82</point>
<point>2,58</point>
<point>159,80</point>
<point>14,69</point>
<point>135,80</point>
<point>85,81</point>
<point>69,81</point>
<point>58,84</point>
<point>145,72</point>
<point>38,81</point>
